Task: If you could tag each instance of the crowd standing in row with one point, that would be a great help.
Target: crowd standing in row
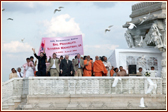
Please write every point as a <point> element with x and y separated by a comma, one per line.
<point>78,67</point>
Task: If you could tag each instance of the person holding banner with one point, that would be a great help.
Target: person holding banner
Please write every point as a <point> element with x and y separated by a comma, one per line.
<point>54,66</point>
<point>78,66</point>
<point>41,63</point>
<point>66,67</point>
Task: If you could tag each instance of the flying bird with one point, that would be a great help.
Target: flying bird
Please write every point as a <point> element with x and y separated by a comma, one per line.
<point>108,29</point>
<point>59,9</point>
<point>131,26</point>
<point>142,102</point>
<point>151,86</point>
<point>144,19</point>
<point>110,26</point>
<point>116,81</point>
<point>3,9</point>
<point>56,10</point>
<point>10,19</point>
<point>22,39</point>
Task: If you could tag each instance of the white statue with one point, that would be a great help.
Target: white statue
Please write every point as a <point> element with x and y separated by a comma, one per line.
<point>129,40</point>
<point>156,36</point>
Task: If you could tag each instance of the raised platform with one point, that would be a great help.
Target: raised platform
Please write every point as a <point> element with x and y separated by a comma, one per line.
<point>73,93</point>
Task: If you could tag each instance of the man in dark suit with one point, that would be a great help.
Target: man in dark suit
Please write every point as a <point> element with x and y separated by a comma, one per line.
<point>41,63</point>
<point>66,67</point>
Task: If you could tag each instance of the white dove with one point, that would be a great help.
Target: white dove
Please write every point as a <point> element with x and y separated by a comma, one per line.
<point>131,26</point>
<point>151,87</point>
<point>141,41</point>
<point>22,39</point>
<point>108,29</point>
<point>10,19</point>
<point>59,9</point>
<point>116,81</point>
<point>145,18</point>
<point>142,102</point>
<point>110,26</point>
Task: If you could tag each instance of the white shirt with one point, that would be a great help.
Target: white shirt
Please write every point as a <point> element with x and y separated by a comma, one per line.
<point>18,73</point>
<point>54,66</point>
<point>29,71</point>
<point>109,65</point>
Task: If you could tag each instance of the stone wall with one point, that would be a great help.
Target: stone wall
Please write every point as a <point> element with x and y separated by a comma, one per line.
<point>45,93</point>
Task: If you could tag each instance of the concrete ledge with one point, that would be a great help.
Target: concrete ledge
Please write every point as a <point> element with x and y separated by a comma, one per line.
<point>96,95</point>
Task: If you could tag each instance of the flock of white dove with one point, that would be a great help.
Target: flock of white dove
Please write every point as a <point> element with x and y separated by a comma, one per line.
<point>152,87</point>
<point>59,9</point>
<point>131,25</point>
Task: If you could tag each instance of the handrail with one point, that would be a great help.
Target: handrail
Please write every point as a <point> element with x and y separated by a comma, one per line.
<point>125,77</point>
<point>10,80</point>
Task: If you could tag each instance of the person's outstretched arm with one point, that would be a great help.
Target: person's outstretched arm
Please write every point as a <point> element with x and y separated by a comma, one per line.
<point>35,53</point>
<point>44,50</point>
<point>45,57</point>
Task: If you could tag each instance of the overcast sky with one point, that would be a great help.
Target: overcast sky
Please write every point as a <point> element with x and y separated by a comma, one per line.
<point>34,20</point>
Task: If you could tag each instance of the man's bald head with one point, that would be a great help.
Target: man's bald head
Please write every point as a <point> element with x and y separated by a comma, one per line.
<point>88,58</point>
<point>96,58</point>
<point>66,57</point>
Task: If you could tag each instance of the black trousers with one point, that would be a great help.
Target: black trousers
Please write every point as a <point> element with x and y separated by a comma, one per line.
<point>41,72</point>
<point>66,75</point>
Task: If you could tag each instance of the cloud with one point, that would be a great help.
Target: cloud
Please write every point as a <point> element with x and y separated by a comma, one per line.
<point>61,26</point>
<point>104,4</point>
<point>100,50</point>
<point>36,4</point>
<point>15,47</point>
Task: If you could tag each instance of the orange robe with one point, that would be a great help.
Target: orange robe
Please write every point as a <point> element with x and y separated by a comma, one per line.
<point>98,67</point>
<point>111,72</point>
<point>88,69</point>
<point>35,73</point>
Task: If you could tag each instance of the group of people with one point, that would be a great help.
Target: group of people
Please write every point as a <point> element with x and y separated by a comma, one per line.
<point>29,68</point>
<point>80,66</point>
